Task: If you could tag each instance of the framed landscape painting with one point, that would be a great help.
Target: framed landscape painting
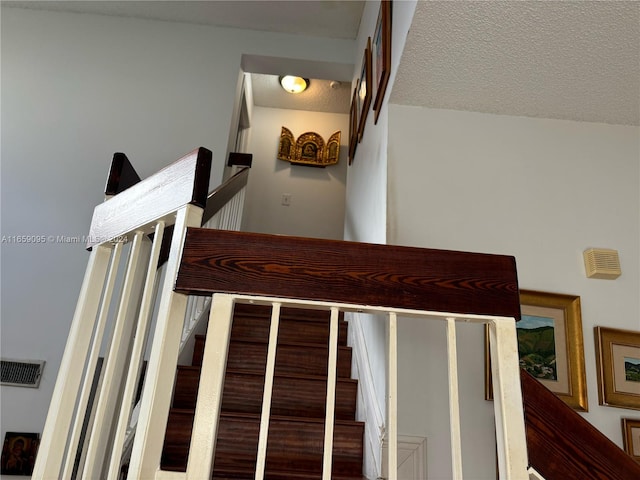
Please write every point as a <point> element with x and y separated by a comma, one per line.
<point>550,345</point>
<point>618,362</point>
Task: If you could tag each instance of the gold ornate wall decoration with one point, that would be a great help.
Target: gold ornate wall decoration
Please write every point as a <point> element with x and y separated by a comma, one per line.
<point>309,149</point>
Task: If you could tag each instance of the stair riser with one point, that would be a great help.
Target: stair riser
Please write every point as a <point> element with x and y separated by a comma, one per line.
<point>289,330</point>
<point>292,446</point>
<point>303,360</point>
<point>292,396</point>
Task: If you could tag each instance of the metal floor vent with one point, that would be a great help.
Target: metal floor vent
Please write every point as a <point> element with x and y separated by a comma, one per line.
<point>21,373</point>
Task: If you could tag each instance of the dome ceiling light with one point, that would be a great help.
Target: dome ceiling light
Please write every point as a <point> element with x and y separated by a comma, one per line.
<point>293,84</point>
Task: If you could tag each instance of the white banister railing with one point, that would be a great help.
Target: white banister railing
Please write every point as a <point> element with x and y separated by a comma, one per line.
<point>227,217</point>
<point>84,437</point>
<point>508,407</point>
<point>137,352</point>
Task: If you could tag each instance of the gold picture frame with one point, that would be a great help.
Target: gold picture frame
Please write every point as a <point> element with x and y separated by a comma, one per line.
<point>308,149</point>
<point>551,346</point>
<point>618,363</point>
<point>631,437</point>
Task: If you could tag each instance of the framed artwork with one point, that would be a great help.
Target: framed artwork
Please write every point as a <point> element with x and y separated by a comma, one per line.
<point>309,149</point>
<point>618,362</point>
<point>381,51</point>
<point>364,90</point>
<point>19,453</point>
<point>631,437</point>
<point>550,346</point>
<point>353,124</point>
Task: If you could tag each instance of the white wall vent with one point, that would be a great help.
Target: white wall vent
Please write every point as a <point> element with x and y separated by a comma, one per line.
<point>602,263</point>
<point>21,373</point>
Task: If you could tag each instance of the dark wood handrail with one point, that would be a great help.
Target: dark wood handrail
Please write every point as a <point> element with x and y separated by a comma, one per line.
<point>348,272</point>
<point>563,445</point>
<point>219,197</point>
<point>184,181</point>
<point>122,175</point>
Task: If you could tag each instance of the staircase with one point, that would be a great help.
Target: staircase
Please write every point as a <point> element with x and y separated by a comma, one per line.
<point>231,433</point>
<point>296,429</point>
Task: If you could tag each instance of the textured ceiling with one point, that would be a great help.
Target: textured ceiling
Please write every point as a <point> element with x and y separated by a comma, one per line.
<point>321,96</point>
<point>565,59</point>
<point>577,60</point>
<point>333,19</point>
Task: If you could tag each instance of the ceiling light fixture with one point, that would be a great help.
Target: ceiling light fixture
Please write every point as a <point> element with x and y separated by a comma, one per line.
<point>293,84</point>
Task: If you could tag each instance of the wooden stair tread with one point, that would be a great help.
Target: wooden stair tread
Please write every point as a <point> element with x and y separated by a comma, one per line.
<point>242,371</point>
<point>285,312</point>
<point>291,375</point>
<point>248,474</point>
<point>288,344</point>
<point>301,358</point>
<point>297,423</point>
<point>283,418</point>
<point>290,329</point>
<point>295,443</point>
<point>293,394</point>
<point>248,371</point>
<point>235,474</point>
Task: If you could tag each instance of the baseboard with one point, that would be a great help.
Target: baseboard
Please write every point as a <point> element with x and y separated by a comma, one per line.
<point>368,410</point>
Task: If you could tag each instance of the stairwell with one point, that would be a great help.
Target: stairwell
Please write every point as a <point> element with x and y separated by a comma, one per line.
<point>296,429</point>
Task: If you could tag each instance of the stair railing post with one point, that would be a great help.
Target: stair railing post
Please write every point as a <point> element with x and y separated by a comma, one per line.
<point>158,386</point>
<point>507,395</point>
<point>210,388</point>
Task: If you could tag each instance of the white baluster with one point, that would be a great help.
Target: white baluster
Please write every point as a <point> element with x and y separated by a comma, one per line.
<point>454,401</point>
<point>331,395</point>
<point>209,402</point>
<point>116,360</point>
<point>507,398</point>
<point>392,399</point>
<point>135,366</point>
<point>268,391</point>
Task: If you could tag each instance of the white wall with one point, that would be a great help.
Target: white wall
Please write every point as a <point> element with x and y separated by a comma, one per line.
<point>317,194</point>
<point>75,89</point>
<point>366,207</point>
<point>541,190</point>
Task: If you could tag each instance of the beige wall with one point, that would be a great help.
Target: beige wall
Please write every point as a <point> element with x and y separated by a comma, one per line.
<point>541,190</point>
<point>317,194</point>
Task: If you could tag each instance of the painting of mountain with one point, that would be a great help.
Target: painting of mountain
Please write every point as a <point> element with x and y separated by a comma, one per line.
<point>632,369</point>
<point>536,346</point>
